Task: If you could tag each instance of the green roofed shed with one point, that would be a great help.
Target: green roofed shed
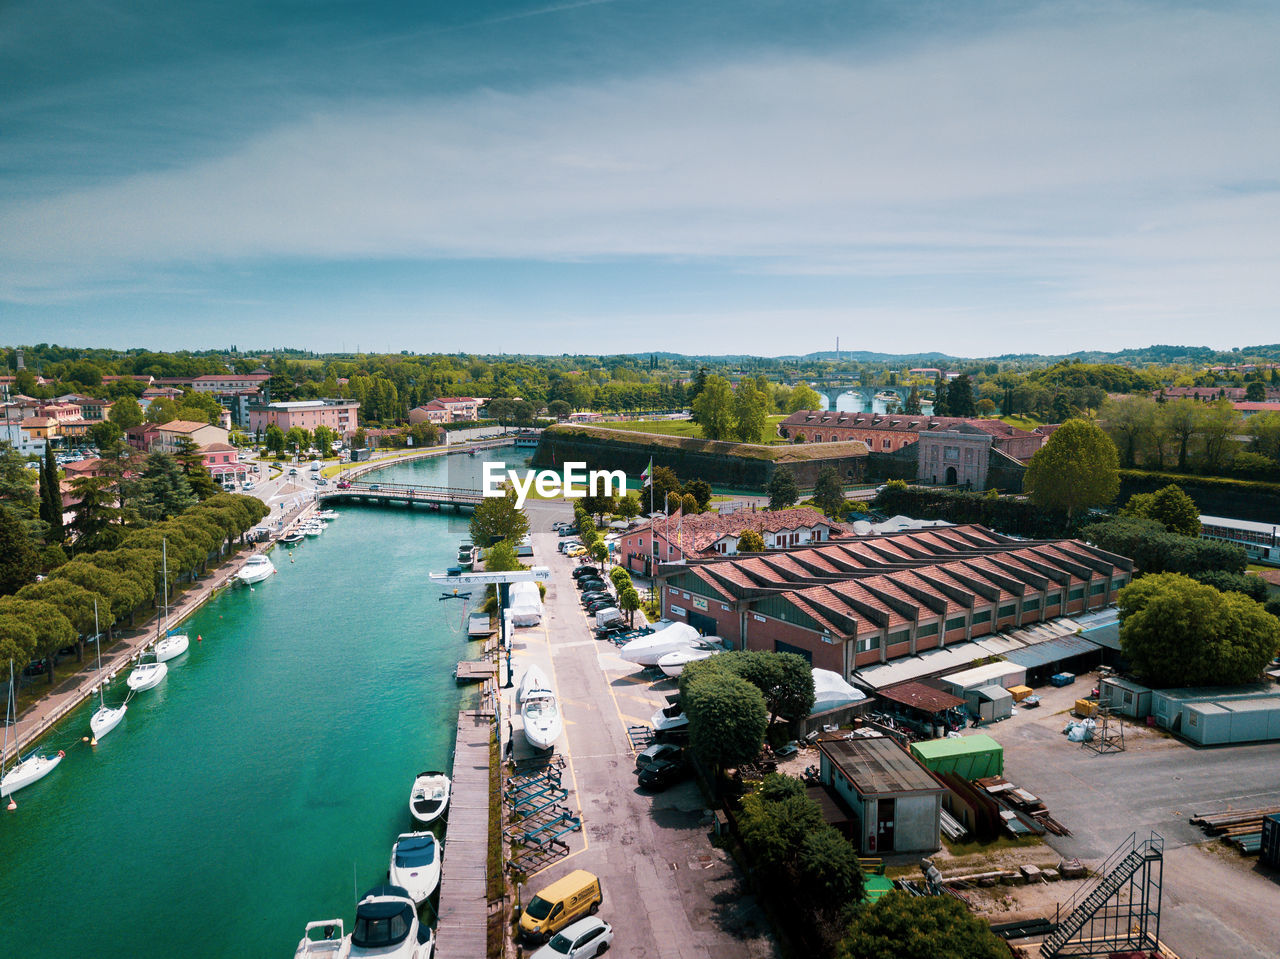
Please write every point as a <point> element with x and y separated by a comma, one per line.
<point>873,887</point>
<point>973,757</point>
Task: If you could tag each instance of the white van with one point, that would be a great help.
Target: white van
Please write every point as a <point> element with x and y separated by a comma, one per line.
<point>610,615</point>
<point>315,467</point>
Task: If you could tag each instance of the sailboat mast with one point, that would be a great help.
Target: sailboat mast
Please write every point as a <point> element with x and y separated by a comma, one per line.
<point>97,645</point>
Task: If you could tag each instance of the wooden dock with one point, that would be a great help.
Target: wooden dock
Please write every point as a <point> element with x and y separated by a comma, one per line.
<point>462,932</point>
<point>472,670</point>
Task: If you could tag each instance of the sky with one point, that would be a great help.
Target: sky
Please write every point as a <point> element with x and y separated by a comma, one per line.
<point>612,176</point>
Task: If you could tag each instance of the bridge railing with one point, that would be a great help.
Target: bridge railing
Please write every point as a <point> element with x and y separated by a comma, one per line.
<point>408,491</point>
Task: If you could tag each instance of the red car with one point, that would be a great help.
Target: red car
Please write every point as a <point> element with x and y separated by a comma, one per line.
<point>344,484</point>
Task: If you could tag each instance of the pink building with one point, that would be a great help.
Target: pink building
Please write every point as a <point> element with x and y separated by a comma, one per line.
<point>447,409</point>
<point>223,461</point>
<point>670,540</point>
<point>338,415</point>
<point>169,436</point>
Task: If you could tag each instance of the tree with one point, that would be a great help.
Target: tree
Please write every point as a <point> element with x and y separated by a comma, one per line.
<point>695,390</point>
<point>559,409</point>
<point>901,926</point>
<point>727,719</point>
<point>1255,392</point>
<point>192,463</point>
<point>750,542</point>
<point>1076,469</point>
<point>700,490</point>
<point>714,409</point>
<point>163,490</point>
<point>784,679</point>
<point>104,433</point>
<point>912,406</point>
<point>19,561</point>
<point>960,400</point>
<point>17,642</point>
<point>828,870</point>
<point>1177,632</point>
<point>1155,550</point>
<point>783,491</point>
<point>162,410</point>
<point>629,600</point>
<point>1170,506</point>
<point>496,517</point>
<point>630,506</point>
<point>750,412</point>
<point>51,497</point>
<point>93,512</point>
<point>600,552</point>
<point>1130,422</point>
<point>297,439</point>
<point>274,439</point>
<point>424,434</point>
<point>803,397</point>
<point>663,482</point>
<point>51,629</point>
<point>17,489</point>
<point>828,493</point>
<point>774,821</point>
<point>125,413</point>
<point>940,406</point>
<point>689,504</point>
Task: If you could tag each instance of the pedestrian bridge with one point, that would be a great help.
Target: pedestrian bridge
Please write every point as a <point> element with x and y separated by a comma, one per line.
<point>402,494</point>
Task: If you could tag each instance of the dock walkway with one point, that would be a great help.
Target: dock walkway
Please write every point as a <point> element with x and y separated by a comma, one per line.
<point>462,932</point>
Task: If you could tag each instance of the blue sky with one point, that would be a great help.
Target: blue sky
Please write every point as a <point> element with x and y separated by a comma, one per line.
<point>627,175</point>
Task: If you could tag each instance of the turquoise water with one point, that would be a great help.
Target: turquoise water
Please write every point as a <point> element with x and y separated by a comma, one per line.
<point>261,785</point>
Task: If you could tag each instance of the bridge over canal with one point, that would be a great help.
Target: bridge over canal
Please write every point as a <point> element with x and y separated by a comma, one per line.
<point>402,494</point>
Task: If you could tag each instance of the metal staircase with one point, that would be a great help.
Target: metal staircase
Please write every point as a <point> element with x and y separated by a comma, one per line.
<point>1119,911</point>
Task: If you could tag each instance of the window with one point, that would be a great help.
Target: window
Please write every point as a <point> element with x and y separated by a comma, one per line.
<point>1127,698</point>
<point>951,454</point>
<point>1005,610</point>
<point>902,636</point>
<point>929,629</point>
<point>866,643</point>
<point>1098,588</point>
<point>955,622</point>
<point>884,444</point>
<point>1031,602</point>
<point>982,617</point>
<point>1053,599</point>
<point>1077,592</point>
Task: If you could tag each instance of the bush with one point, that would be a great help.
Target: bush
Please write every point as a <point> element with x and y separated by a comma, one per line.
<point>1154,550</point>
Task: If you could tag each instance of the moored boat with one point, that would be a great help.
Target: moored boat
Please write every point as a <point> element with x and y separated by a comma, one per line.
<point>387,925</point>
<point>429,797</point>
<point>25,771</point>
<point>105,718</point>
<point>292,539</point>
<point>147,676</point>
<point>256,568</point>
<point>332,943</point>
<point>173,645</point>
<point>415,864</point>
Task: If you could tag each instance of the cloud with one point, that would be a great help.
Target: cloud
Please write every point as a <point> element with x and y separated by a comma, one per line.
<point>1119,160</point>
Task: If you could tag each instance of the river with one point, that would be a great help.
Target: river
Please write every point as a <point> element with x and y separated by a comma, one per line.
<point>262,784</point>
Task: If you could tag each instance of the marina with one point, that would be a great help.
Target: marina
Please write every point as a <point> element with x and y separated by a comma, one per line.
<point>301,713</point>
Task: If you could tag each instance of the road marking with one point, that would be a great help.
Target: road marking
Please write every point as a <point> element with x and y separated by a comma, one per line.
<point>568,753</point>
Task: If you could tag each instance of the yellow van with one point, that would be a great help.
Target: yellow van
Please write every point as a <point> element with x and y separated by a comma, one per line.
<point>559,904</point>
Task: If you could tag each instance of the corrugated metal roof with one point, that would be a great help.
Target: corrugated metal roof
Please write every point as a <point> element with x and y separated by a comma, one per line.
<point>878,767</point>
<point>920,696</point>
<point>1051,651</point>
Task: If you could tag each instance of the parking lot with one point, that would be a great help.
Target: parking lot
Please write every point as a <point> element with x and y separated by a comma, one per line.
<point>667,891</point>
<point>1216,903</point>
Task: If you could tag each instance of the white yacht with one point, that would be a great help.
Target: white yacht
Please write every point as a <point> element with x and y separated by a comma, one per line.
<point>673,663</point>
<point>147,676</point>
<point>541,715</point>
<point>415,864</point>
<point>647,650</point>
<point>430,796</point>
<point>327,515</point>
<point>330,943</point>
<point>533,678</point>
<point>173,645</point>
<point>312,528</point>
<point>387,926</point>
<point>256,568</point>
<point>25,771</point>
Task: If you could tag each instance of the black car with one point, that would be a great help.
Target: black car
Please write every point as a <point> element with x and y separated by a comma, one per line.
<point>582,571</point>
<point>663,773</point>
<point>616,628</point>
<point>598,604</point>
<point>587,585</point>
<point>568,531</point>
<point>592,597</point>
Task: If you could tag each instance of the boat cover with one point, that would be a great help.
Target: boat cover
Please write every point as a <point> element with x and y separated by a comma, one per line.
<point>417,851</point>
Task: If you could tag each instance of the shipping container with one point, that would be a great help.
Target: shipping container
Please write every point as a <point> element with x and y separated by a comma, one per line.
<point>972,757</point>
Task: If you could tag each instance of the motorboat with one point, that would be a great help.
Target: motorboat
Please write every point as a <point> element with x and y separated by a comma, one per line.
<point>673,663</point>
<point>387,925</point>
<point>466,555</point>
<point>25,771</point>
<point>415,864</point>
<point>147,676</point>
<point>430,796</point>
<point>312,529</point>
<point>105,718</point>
<point>327,515</point>
<point>647,650</point>
<point>331,943</point>
<point>541,715</point>
<point>669,718</point>
<point>256,568</point>
<point>293,539</point>
<point>173,645</point>
<point>533,678</point>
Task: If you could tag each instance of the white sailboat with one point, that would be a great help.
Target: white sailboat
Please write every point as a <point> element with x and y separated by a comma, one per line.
<point>174,644</point>
<point>105,718</point>
<point>25,771</point>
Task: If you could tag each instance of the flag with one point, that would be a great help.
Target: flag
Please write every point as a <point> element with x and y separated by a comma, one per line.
<point>648,473</point>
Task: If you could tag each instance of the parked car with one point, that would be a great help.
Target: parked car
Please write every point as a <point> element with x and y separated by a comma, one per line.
<point>577,549</point>
<point>592,585</point>
<point>667,751</point>
<point>582,571</point>
<point>584,939</point>
<point>374,486</point>
<point>612,629</point>
<point>568,531</point>
<point>322,481</point>
<point>596,605</point>
<point>344,484</point>
<point>591,597</point>
<point>293,471</point>
<point>665,772</point>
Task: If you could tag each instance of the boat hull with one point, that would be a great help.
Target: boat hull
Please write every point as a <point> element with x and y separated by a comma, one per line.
<point>430,797</point>
<point>418,881</point>
<point>542,723</point>
<point>673,664</point>
<point>147,676</point>
<point>105,719</point>
<point>30,770</point>
<point>255,575</point>
<point>172,646</point>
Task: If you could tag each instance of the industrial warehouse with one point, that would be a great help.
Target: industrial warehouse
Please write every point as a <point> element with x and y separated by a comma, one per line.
<point>889,609</point>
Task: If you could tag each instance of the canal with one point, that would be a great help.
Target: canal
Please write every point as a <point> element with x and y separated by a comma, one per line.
<point>262,784</point>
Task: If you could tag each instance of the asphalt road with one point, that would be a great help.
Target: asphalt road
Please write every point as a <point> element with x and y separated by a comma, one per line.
<point>667,891</point>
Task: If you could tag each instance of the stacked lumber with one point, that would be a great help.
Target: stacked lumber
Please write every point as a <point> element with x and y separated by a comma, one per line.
<point>1011,797</point>
<point>1241,828</point>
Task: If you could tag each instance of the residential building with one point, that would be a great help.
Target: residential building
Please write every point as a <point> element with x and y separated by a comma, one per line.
<point>857,603</point>
<point>1247,409</point>
<point>337,415</point>
<point>91,408</point>
<point>15,432</point>
<point>459,409</point>
<point>43,428</point>
<point>62,412</point>
<point>229,382</point>
<point>223,462</point>
<point>169,436</point>
<point>672,539</point>
<point>142,437</point>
